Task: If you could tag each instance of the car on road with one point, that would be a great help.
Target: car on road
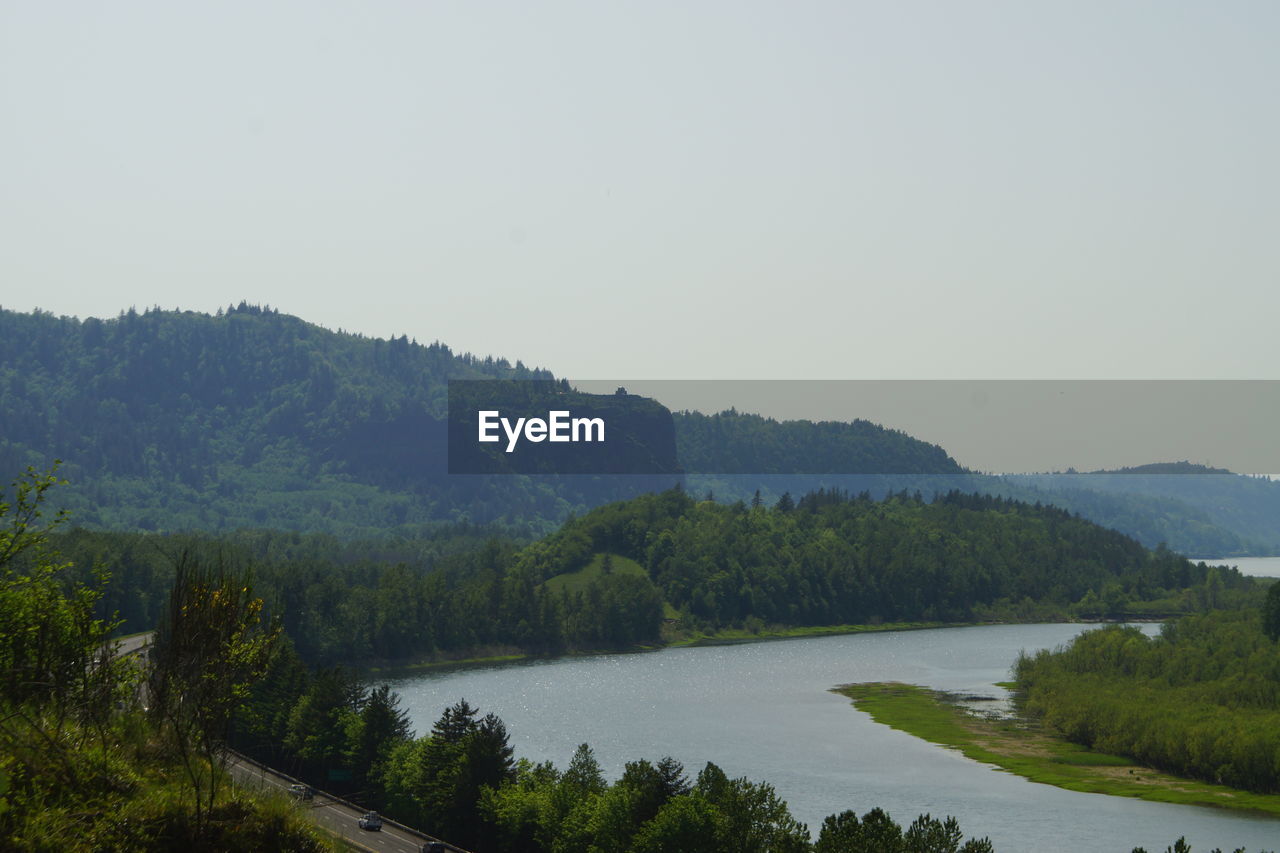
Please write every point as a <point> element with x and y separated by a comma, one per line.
<point>435,847</point>
<point>370,821</point>
<point>302,792</point>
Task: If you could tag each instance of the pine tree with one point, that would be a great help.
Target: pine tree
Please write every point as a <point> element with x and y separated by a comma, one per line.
<point>461,757</point>
<point>1271,612</point>
<point>383,723</point>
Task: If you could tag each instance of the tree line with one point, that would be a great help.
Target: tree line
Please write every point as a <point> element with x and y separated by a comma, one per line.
<point>828,558</point>
<point>1202,699</point>
<point>835,558</point>
<point>462,782</point>
<point>249,418</point>
<point>87,763</point>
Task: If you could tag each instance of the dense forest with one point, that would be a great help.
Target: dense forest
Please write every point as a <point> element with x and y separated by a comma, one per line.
<point>84,766</point>
<point>462,782</point>
<point>379,600</point>
<point>665,566</point>
<point>1216,499</point>
<point>251,418</point>
<point>183,421</point>
<point>180,421</point>
<point>1202,699</point>
<point>833,558</point>
<point>733,442</point>
<point>1184,522</point>
<point>87,765</point>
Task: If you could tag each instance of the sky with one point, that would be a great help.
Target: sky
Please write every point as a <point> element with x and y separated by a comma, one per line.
<point>711,190</point>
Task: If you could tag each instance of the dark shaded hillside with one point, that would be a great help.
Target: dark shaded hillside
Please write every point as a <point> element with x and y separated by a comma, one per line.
<point>1205,498</point>
<point>733,442</point>
<point>1149,518</point>
<point>167,394</point>
<point>1249,505</point>
<point>251,418</point>
<point>611,577</point>
<point>832,558</point>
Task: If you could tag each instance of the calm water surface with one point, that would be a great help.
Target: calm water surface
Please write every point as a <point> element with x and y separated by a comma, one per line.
<point>764,710</point>
<point>1261,567</point>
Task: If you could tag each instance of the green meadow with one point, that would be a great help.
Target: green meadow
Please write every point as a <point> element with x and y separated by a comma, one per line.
<point>1023,748</point>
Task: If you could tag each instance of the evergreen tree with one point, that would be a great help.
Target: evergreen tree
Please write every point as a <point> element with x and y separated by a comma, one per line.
<point>1271,612</point>
<point>382,724</point>
<point>462,756</point>
<point>320,724</point>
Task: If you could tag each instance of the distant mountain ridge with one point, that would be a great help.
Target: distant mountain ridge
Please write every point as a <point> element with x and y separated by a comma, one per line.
<point>1246,505</point>
<point>249,418</point>
<point>253,418</point>
<point>733,442</point>
<point>1183,467</point>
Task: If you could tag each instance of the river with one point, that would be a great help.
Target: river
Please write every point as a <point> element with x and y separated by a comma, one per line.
<point>764,711</point>
<point>1261,567</point>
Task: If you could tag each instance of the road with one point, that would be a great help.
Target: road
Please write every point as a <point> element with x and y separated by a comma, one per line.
<point>134,644</point>
<point>333,814</point>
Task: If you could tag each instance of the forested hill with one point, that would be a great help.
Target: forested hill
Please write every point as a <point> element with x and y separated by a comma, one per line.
<point>172,420</point>
<point>1202,699</point>
<point>733,442</point>
<point>665,566</point>
<point>251,418</point>
<point>167,394</point>
<point>1248,505</point>
<point>835,558</point>
<point>1195,508</point>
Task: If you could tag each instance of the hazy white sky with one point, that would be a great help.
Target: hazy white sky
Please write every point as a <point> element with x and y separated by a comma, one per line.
<point>693,189</point>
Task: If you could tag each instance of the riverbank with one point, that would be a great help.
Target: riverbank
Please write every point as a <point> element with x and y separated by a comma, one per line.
<point>733,636</point>
<point>1028,751</point>
<point>675,638</point>
<point>486,656</point>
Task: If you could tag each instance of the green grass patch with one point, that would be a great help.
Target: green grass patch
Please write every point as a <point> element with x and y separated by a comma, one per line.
<point>1027,750</point>
<point>1093,759</point>
<point>477,661</point>
<point>729,636</point>
<point>594,571</point>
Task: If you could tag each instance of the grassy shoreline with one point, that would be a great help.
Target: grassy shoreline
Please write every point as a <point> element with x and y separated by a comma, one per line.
<point>1037,755</point>
<point>677,639</point>
<point>447,663</point>
<point>732,636</point>
<point>728,637</point>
